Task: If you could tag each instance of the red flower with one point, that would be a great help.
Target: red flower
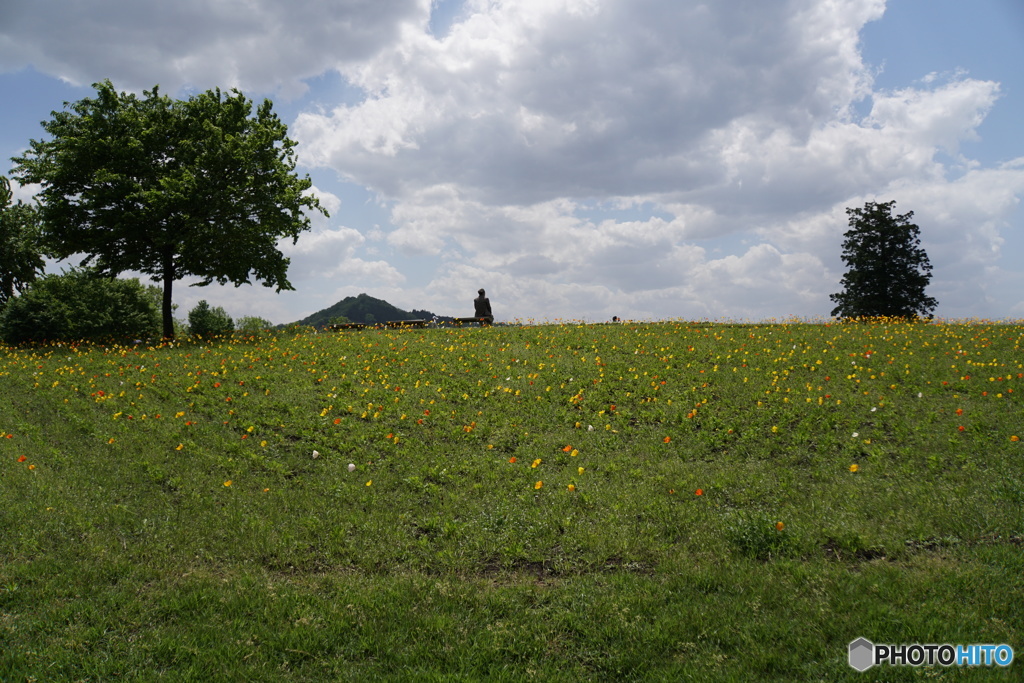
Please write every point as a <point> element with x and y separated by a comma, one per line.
<point>699,492</point>
<point>22,458</point>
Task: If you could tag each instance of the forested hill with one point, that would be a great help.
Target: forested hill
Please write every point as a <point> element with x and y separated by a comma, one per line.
<point>363,309</point>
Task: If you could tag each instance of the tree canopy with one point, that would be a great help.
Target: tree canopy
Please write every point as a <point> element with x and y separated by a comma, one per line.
<point>887,268</point>
<point>200,187</point>
<point>20,260</point>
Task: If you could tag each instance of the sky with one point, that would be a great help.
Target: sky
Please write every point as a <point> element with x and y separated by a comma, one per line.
<point>583,159</point>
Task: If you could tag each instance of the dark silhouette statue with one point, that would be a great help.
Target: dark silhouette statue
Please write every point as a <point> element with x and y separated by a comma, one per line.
<point>482,308</point>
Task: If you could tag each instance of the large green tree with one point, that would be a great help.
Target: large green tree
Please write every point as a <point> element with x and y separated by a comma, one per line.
<point>200,187</point>
<point>888,270</point>
<point>20,260</point>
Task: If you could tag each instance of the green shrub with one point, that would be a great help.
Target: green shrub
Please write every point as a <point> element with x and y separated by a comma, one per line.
<point>80,305</point>
<point>204,321</point>
<point>251,324</point>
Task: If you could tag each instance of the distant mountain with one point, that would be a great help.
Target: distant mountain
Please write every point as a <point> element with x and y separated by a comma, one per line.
<point>364,309</point>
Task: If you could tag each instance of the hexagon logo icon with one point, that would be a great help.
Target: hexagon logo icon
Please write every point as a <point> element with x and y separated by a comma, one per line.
<point>862,654</point>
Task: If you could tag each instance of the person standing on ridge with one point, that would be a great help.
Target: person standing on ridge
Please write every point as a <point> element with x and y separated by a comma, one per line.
<point>482,308</point>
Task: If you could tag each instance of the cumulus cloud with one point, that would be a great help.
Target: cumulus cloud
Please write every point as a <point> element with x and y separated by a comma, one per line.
<point>264,45</point>
<point>525,102</point>
<point>584,158</point>
<point>733,120</point>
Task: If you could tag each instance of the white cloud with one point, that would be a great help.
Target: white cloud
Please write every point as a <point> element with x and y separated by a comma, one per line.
<point>331,202</point>
<point>733,119</point>
<point>524,102</point>
<point>332,255</point>
<point>251,44</point>
<point>25,193</point>
<point>587,158</point>
<point>939,118</point>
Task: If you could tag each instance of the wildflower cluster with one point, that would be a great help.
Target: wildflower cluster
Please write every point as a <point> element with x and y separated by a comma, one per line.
<point>546,409</point>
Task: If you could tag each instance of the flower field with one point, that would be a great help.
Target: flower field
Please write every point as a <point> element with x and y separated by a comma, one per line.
<point>701,501</point>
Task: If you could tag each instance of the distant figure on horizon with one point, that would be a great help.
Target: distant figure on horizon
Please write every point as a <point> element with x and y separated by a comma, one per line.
<point>482,308</point>
<point>615,318</point>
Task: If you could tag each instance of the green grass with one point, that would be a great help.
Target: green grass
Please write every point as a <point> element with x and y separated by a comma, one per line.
<point>163,517</point>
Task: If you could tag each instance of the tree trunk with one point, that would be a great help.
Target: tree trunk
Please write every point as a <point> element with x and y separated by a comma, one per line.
<point>168,269</point>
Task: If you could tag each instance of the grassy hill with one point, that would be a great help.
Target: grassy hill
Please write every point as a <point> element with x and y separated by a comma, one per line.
<point>673,501</point>
<point>362,309</point>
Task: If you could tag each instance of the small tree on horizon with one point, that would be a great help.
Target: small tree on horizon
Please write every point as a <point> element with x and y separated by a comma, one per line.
<point>209,321</point>
<point>887,268</point>
<point>252,324</point>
